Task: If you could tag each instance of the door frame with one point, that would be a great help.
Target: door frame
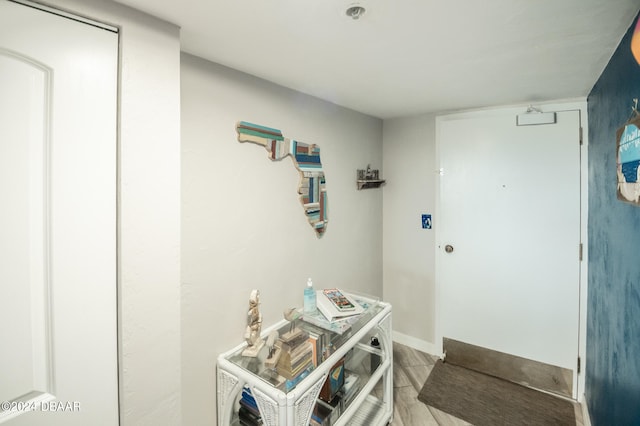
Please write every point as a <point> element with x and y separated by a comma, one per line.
<point>557,106</point>
<point>69,15</point>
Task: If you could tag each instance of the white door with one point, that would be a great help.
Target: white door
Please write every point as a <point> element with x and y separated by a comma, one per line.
<point>510,210</point>
<point>58,81</point>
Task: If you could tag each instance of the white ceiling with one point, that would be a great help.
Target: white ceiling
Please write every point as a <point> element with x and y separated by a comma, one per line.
<point>408,57</point>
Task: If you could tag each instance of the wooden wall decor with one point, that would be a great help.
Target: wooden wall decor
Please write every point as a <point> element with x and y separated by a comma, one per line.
<point>306,159</point>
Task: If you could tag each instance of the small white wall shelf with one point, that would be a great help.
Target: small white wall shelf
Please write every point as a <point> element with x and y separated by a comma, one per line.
<point>369,183</point>
<point>368,178</point>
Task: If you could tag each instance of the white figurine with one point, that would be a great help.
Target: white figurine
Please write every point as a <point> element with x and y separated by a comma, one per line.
<point>254,326</point>
<point>273,351</point>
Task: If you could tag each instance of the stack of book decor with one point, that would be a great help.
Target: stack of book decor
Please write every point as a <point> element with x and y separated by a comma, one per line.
<point>336,310</point>
<point>249,414</point>
<point>296,356</point>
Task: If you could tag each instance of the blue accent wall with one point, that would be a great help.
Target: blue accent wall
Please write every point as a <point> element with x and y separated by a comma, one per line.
<point>613,314</point>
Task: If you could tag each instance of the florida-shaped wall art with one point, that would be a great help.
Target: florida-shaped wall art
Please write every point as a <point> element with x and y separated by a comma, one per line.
<point>306,159</point>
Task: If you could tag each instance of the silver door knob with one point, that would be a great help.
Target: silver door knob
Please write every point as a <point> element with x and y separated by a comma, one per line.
<point>448,248</point>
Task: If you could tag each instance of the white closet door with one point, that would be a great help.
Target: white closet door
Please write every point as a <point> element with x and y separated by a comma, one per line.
<point>58,109</point>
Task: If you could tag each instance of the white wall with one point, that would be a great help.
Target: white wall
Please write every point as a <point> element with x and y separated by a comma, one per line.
<point>148,212</point>
<point>242,224</point>
<point>408,250</point>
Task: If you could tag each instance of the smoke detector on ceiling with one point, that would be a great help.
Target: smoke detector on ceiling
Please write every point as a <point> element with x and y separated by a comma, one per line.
<point>355,11</point>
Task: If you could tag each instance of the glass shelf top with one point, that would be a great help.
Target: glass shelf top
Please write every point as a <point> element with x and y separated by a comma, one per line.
<point>325,337</point>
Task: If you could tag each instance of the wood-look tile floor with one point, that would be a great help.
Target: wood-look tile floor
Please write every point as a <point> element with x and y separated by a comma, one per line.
<point>410,370</point>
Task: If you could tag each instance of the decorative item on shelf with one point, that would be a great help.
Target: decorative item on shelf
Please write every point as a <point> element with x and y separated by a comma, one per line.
<point>294,337</point>
<point>273,354</point>
<point>254,326</point>
<point>368,178</point>
<point>296,355</point>
<point>336,305</point>
<point>295,351</point>
<point>339,327</point>
<point>334,382</point>
<point>291,315</point>
<point>339,321</point>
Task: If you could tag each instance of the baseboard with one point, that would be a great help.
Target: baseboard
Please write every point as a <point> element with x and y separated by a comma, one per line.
<point>586,420</point>
<point>415,343</point>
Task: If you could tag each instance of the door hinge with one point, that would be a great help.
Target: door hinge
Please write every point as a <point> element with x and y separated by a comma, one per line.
<point>580,135</point>
<point>579,365</point>
<point>580,252</point>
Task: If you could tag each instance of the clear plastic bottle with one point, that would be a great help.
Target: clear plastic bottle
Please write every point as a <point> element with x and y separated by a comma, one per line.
<point>309,298</point>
